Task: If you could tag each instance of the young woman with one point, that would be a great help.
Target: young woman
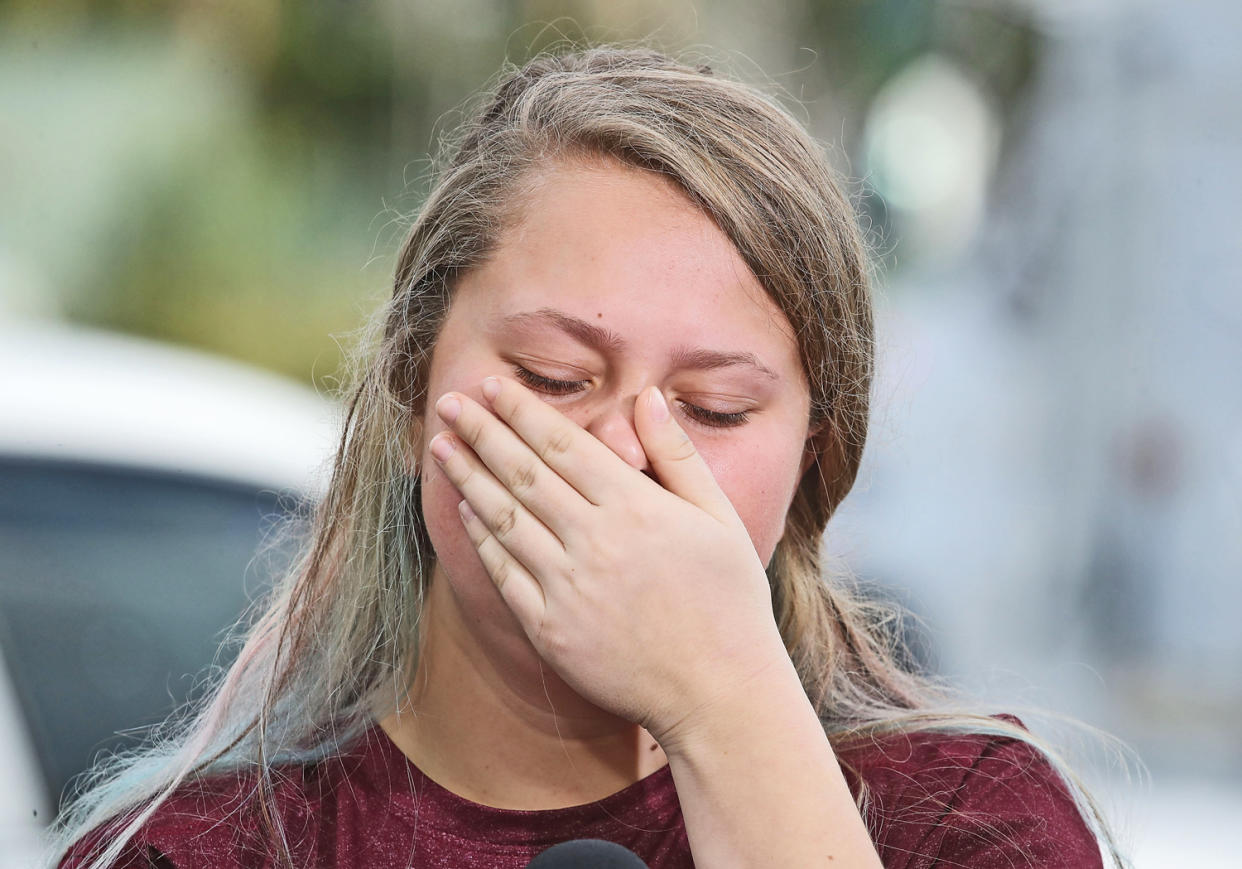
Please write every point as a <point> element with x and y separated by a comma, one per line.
<point>566,582</point>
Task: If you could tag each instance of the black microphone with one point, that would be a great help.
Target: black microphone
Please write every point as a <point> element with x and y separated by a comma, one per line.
<point>587,854</point>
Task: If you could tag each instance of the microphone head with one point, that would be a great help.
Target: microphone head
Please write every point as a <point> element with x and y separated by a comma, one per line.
<point>587,854</point>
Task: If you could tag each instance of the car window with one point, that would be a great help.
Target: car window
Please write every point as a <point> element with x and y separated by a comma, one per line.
<point>116,587</point>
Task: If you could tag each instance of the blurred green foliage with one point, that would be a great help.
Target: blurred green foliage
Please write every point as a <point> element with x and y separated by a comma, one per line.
<point>288,144</point>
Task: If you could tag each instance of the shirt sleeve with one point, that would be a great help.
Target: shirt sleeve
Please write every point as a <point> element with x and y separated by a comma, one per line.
<point>1012,809</point>
<point>134,855</point>
<point>198,827</point>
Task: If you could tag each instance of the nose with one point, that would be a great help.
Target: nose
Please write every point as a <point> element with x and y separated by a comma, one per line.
<point>613,425</point>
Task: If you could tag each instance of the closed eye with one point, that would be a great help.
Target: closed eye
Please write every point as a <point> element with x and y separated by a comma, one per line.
<point>715,418</point>
<point>710,418</point>
<point>547,384</point>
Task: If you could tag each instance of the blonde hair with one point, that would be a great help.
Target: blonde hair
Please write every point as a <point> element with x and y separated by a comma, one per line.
<point>337,644</point>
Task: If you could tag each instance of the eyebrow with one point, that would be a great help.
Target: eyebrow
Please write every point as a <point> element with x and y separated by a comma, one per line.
<point>705,360</point>
<point>593,336</point>
<point>602,339</point>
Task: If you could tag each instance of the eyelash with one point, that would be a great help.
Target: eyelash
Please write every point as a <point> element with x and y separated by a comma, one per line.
<point>713,418</point>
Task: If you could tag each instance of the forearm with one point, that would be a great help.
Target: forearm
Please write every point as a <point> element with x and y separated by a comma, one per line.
<point>760,786</point>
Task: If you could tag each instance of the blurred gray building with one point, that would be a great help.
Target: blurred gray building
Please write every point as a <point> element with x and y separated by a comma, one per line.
<point>1055,480</point>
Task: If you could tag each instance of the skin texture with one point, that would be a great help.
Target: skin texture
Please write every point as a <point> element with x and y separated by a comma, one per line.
<point>599,605</point>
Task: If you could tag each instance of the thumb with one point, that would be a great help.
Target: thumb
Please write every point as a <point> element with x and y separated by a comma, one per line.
<point>675,459</point>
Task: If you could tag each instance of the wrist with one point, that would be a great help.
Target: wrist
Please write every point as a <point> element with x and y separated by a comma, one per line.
<point>759,704</point>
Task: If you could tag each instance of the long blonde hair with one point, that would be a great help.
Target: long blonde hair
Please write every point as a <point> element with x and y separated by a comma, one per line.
<point>337,643</point>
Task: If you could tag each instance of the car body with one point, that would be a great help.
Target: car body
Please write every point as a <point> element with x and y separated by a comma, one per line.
<point>140,486</point>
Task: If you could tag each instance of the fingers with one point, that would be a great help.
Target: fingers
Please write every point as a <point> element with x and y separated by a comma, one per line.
<point>675,459</point>
<point>579,458</point>
<point>506,520</point>
<point>518,477</point>
<point>519,588</point>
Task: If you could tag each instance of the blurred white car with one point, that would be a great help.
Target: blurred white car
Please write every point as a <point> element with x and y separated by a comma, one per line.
<point>136,483</point>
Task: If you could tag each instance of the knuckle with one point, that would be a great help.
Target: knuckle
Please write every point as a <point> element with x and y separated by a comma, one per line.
<point>504,520</point>
<point>604,557</point>
<point>634,515</point>
<point>473,432</point>
<point>512,412</point>
<point>567,576</point>
<point>683,451</point>
<point>500,573</point>
<point>557,445</point>
<point>522,479</point>
<point>555,642</point>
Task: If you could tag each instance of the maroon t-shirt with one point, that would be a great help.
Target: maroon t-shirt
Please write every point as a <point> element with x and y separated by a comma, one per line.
<point>934,801</point>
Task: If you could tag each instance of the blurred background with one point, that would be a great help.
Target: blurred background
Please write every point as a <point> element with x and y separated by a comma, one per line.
<point>1054,479</point>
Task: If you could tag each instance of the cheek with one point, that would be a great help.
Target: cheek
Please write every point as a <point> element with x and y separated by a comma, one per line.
<point>440,512</point>
<point>453,549</point>
<point>760,485</point>
<point>456,556</point>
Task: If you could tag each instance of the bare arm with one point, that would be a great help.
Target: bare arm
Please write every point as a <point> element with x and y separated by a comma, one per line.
<point>759,783</point>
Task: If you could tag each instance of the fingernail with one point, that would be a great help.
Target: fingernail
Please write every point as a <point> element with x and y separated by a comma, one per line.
<point>464,509</point>
<point>441,447</point>
<point>659,407</point>
<point>491,388</point>
<point>448,407</point>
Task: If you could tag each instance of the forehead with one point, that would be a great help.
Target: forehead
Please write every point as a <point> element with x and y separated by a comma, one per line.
<point>626,249</point>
